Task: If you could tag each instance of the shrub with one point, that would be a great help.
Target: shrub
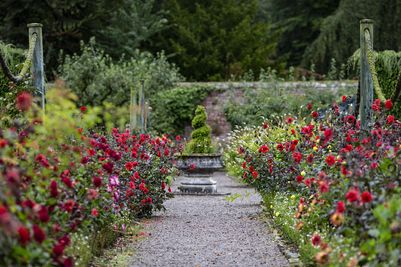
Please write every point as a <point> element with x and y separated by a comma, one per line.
<point>201,135</point>
<point>59,177</point>
<point>96,78</point>
<point>339,178</point>
<point>9,91</point>
<point>265,104</point>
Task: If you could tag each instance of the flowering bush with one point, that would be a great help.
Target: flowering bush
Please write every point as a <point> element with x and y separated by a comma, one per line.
<point>337,175</point>
<point>58,177</point>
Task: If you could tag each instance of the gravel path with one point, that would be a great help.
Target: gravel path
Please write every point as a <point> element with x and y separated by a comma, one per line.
<point>210,231</point>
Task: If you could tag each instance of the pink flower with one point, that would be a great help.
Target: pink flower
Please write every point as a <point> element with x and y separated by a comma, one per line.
<point>94,212</point>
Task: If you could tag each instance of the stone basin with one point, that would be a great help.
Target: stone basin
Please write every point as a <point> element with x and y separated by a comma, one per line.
<point>198,169</point>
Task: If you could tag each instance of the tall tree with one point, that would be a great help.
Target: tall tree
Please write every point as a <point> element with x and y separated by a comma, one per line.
<point>298,24</point>
<point>339,36</point>
<point>119,25</point>
<point>214,39</point>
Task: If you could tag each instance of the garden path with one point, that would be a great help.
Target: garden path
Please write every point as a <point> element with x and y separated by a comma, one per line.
<point>210,231</point>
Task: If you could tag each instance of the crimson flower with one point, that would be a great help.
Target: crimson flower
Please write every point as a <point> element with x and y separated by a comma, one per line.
<point>352,195</point>
<point>388,104</point>
<point>24,101</point>
<point>58,249</point>
<point>344,98</point>
<point>300,178</point>
<point>297,156</point>
<point>83,109</point>
<point>366,197</point>
<point>97,181</point>
<point>390,119</point>
<point>290,120</point>
<point>255,174</point>
<point>24,235</point>
<point>38,234</point>
<point>330,160</point>
<point>309,106</point>
<point>43,214</point>
<point>265,125</point>
<point>280,147</point>
<point>315,114</point>
<point>264,149</point>
<point>340,207</point>
<point>316,240</point>
<point>53,189</point>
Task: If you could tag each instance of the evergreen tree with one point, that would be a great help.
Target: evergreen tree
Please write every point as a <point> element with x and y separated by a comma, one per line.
<point>298,24</point>
<point>214,39</point>
<point>339,37</point>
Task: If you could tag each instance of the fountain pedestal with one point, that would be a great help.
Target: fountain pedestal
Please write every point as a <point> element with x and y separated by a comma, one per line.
<point>198,170</point>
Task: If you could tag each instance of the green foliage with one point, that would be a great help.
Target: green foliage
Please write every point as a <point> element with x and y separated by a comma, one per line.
<point>266,104</point>
<point>212,40</point>
<point>385,241</point>
<point>201,135</point>
<point>298,24</point>
<point>339,33</point>
<point>172,109</point>
<point>120,26</point>
<point>14,58</point>
<point>388,67</point>
<point>95,78</point>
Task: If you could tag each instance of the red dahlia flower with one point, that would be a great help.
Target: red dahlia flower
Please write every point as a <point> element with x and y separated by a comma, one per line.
<point>366,197</point>
<point>24,101</point>
<point>38,234</point>
<point>316,240</point>
<point>83,109</point>
<point>97,181</point>
<point>340,207</point>
<point>344,98</point>
<point>352,195</point>
<point>330,160</point>
<point>390,119</point>
<point>264,149</point>
<point>255,174</point>
<point>24,235</point>
<point>388,104</point>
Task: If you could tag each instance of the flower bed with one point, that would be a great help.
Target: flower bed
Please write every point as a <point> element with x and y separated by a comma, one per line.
<point>59,178</point>
<point>331,187</point>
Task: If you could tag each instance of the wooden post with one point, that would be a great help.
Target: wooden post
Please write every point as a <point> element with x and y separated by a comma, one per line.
<point>142,100</point>
<point>366,81</point>
<point>37,69</point>
<point>132,110</point>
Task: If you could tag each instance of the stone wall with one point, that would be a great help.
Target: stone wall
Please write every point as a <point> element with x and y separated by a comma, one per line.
<point>217,100</point>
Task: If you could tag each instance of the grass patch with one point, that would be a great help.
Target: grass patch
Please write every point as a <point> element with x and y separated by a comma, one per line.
<point>122,251</point>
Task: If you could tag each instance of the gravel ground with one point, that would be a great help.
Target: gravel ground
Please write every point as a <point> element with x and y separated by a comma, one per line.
<point>210,231</point>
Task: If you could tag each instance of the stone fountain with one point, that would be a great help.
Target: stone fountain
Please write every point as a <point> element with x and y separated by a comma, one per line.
<point>198,170</point>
